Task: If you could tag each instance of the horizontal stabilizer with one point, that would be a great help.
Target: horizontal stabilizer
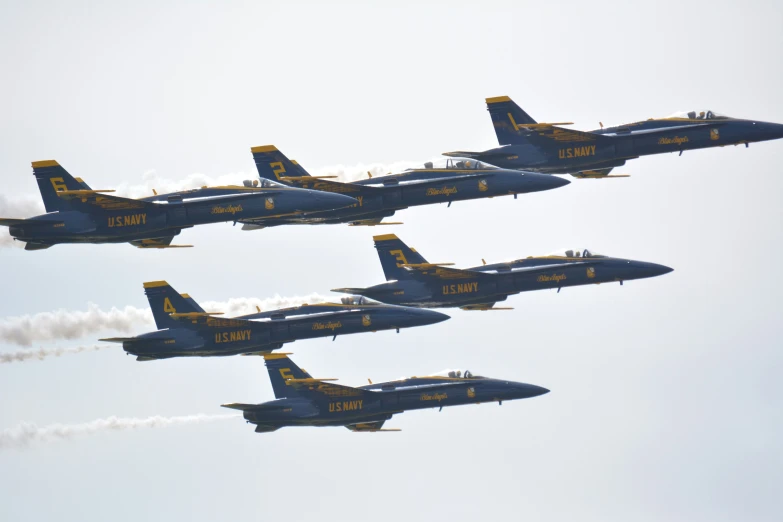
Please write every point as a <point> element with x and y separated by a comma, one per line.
<point>238,406</point>
<point>355,291</point>
<point>9,222</point>
<point>426,265</point>
<point>118,339</point>
<point>463,154</point>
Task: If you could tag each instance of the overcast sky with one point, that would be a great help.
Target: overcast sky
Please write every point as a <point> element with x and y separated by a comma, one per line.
<point>666,392</point>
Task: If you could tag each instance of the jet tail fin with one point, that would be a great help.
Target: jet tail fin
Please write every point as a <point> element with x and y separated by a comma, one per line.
<point>53,178</point>
<point>506,116</point>
<point>393,254</point>
<point>281,369</point>
<point>274,165</point>
<point>164,301</point>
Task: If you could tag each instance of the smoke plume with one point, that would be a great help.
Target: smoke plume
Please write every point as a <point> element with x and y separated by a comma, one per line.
<point>74,324</point>
<point>17,208</point>
<point>42,353</point>
<point>26,433</point>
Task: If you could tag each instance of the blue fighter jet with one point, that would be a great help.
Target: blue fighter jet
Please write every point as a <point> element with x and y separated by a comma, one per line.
<point>450,180</point>
<point>302,400</point>
<point>413,281</point>
<point>78,214</point>
<point>550,148</point>
<point>186,330</point>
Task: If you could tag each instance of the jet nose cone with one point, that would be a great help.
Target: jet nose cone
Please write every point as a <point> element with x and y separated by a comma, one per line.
<point>328,200</point>
<point>654,270</point>
<point>774,130</point>
<point>527,391</point>
<point>540,182</point>
<point>430,316</point>
<point>558,182</point>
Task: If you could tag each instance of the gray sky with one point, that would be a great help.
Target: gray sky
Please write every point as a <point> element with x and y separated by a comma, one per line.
<point>665,398</point>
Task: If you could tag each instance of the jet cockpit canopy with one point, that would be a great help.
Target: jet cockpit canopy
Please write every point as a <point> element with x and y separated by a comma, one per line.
<point>575,252</point>
<point>455,164</point>
<point>457,374</point>
<point>356,300</point>
<point>699,115</point>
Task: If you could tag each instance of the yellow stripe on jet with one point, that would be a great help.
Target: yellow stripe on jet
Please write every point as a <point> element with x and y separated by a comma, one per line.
<point>45,163</point>
<point>498,99</point>
<point>263,148</point>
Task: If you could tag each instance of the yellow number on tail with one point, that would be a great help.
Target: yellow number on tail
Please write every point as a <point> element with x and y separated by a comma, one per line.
<point>399,256</point>
<point>58,184</point>
<point>167,307</point>
<point>278,168</point>
<point>286,374</point>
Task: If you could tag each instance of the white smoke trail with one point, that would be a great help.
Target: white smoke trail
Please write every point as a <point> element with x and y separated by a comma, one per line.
<point>21,207</point>
<point>43,353</point>
<point>26,433</point>
<point>69,324</point>
<point>162,185</point>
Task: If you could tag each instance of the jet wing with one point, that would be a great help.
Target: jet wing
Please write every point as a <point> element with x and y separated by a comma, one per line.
<point>392,181</point>
<point>104,202</point>
<point>328,390</point>
<point>441,272</point>
<point>314,183</point>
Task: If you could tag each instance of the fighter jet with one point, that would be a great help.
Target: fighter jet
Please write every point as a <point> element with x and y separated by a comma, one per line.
<point>186,330</point>
<point>302,400</point>
<point>550,148</point>
<point>78,214</point>
<point>449,180</point>
<point>413,281</point>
